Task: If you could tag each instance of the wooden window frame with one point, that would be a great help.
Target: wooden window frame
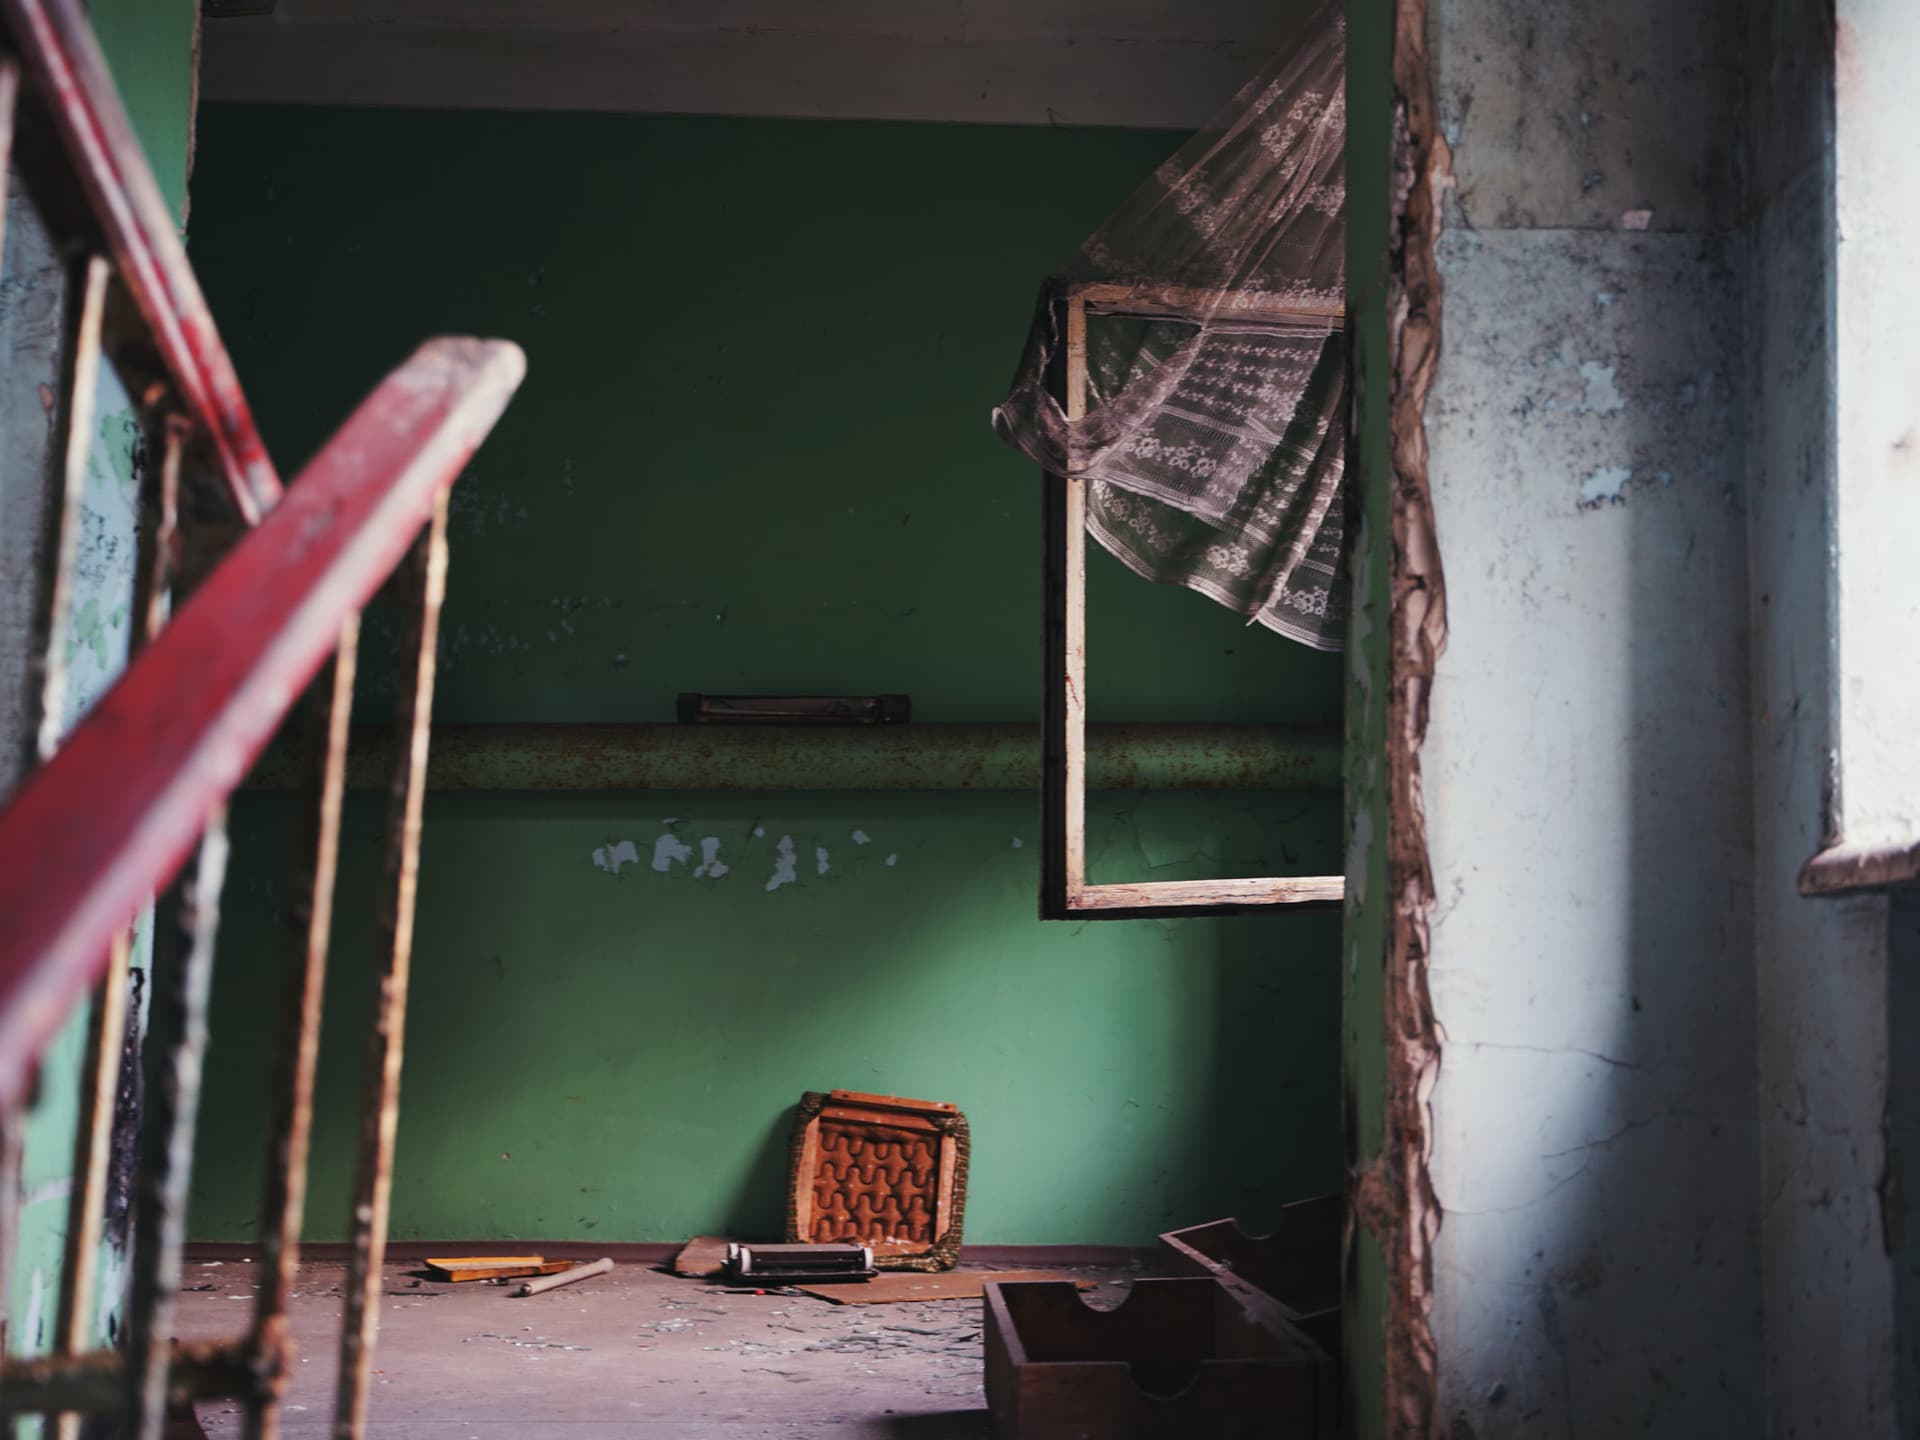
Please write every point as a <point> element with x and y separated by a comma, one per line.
<point>1064,891</point>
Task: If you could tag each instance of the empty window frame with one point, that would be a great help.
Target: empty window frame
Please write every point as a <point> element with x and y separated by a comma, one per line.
<point>1064,891</point>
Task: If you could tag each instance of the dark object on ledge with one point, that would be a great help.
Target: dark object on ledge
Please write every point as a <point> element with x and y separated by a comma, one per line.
<point>697,709</point>
<point>775,1265</point>
<point>1177,1360</point>
<point>1297,1265</point>
<point>879,1171</point>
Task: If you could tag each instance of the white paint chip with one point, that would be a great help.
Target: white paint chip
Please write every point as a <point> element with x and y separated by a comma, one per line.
<point>1359,844</point>
<point>860,837</point>
<point>893,860</point>
<point>670,850</point>
<point>1018,842</point>
<point>711,866</point>
<point>759,831</point>
<point>612,857</point>
<point>1605,486</point>
<point>785,871</point>
<point>1603,395</point>
<point>48,1190</point>
<point>36,1308</point>
<point>113,1284</point>
<point>820,860</point>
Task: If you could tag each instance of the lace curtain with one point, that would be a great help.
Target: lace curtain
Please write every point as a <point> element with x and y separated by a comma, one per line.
<point>1214,437</point>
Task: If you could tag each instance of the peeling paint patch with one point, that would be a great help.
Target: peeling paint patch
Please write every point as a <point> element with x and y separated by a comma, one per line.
<point>711,866</point>
<point>1603,395</point>
<point>1358,847</point>
<point>670,850</point>
<point>113,1286</point>
<point>892,860</point>
<point>860,837</point>
<point>1359,622</point>
<point>611,857</point>
<point>51,1190</point>
<point>785,871</point>
<point>1605,486</point>
<point>1018,842</point>
<point>36,1309</point>
<point>821,861</point>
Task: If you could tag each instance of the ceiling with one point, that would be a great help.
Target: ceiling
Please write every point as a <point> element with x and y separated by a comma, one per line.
<point>1147,63</point>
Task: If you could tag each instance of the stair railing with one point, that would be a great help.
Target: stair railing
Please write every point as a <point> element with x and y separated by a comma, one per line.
<point>136,794</point>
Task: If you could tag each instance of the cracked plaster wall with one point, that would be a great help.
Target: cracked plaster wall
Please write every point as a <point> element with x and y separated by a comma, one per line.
<point>1588,760</point>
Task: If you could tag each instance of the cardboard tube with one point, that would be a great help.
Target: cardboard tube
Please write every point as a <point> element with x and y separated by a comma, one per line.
<point>567,1277</point>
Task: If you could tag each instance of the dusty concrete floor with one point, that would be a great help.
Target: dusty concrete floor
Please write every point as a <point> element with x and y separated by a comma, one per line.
<point>633,1354</point>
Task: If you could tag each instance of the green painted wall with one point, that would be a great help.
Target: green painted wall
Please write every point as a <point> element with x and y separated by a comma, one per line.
<point>752,455</point>
<point>150,48</point>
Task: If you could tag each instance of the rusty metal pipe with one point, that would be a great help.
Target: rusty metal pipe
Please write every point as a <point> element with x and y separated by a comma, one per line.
<point>292,1125</point>
<point>380,1101</point>
<point>178,1034</point>
<point>95,1382</point>
<point>855,757</point>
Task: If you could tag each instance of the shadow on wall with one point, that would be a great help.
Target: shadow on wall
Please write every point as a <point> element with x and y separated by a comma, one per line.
<point>759,1206</point>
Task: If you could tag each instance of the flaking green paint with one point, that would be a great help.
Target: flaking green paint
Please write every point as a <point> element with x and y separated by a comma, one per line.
<point>752,454</point>
<point>149,50</point>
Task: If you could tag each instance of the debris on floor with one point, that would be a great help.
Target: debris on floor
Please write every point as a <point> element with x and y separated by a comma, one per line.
<point>880,1171</point>
<point>772,1266</point>
<point>1194,1361</point>
<point>703,1257</point>
<point>905,1285</point>
<point>570,1276</point>
<point>494,1267</point>
<point>637,1351</point>
<point>1297,1265</point>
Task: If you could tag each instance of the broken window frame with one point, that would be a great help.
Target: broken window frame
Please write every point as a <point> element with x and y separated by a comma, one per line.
<point>1064,891</point>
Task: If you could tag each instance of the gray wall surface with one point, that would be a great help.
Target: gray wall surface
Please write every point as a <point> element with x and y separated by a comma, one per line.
<point>1588,762</point>
<point>1821,966</point>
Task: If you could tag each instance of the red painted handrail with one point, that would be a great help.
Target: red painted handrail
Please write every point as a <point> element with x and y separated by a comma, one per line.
<point>63,60</point>
<point>110,819</point>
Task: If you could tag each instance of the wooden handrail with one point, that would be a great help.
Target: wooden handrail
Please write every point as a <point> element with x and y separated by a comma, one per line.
<point>110,819</point>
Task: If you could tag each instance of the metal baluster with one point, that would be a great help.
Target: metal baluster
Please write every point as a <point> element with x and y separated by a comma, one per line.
<point>13,1134</point>
<point>178,1034</point>
<point>107,1029</point>
<point>93,1140</point>
<point>380,1102</point>
<point>306,974</point>
<point>9,101</point>
<point>79,378</point>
